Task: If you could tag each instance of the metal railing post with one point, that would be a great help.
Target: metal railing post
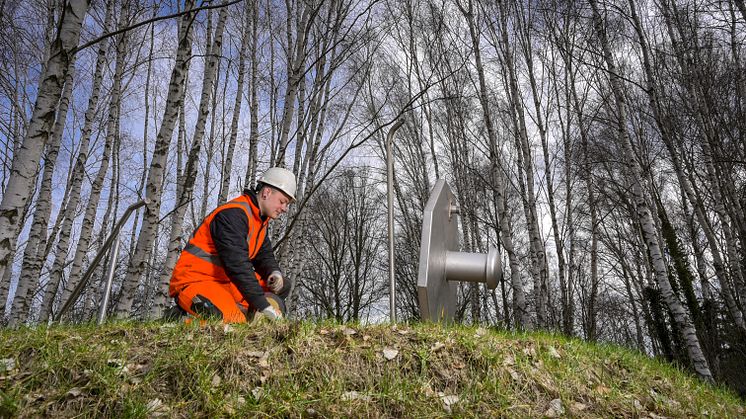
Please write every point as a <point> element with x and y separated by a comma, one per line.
<point>113,236</point>
<point>109,280</point>
<point>390,192</point>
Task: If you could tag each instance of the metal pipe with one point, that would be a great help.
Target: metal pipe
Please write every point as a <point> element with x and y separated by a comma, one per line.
<point>109,280</point>
<point>96,259</point>
<point>390,192</point>
<point>465,267</point>
<point>474,267</point>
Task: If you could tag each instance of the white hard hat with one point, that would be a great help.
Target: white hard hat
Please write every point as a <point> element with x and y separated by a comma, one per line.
<point>280,178</point>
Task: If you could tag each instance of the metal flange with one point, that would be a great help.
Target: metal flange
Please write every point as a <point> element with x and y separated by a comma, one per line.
<point>442,266</point>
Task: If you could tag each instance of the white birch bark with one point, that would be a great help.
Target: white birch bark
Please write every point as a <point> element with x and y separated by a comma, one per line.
<point>145,134</point>
<point>306,172</point>
<point>16,114</point>
<point>26,159</point>
<point>520,312</point>
<point>186,184</point>
<point>685,47</point>
<point>294,73</point>
<point>253,101</point>
<point>154,191</point>
<point>525,175</point>
<point>302,130</point>
<point>210,138</point>
<point>727,223</point>
<point>587,173</point>
<point>307,177</point>
<point>5,285</point>
<point>558,240</point>
<point>681,317</point>
<point>567,51</point>
<point>33,255</point>
<point>210,151</point>
<point>112,132</point>
<point>524,27</point>
<point>565,267</point>
<point>228,163</point>
<point>665,132</point>
<point>92,293</point>
<point>67,215</point>
<point>273,87</point>
<point>592,207</point>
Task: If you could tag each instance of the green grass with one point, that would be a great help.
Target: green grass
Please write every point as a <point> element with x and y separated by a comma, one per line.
<point>304,369</point>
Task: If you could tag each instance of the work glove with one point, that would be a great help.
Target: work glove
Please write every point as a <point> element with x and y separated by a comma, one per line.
<point>269,313</point>
<point>276,282</point>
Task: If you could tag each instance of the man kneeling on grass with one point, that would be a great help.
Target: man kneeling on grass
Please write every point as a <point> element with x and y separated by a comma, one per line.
<point>228,269</point>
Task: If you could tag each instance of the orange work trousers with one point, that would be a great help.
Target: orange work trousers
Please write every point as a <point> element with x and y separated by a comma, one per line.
<point>224,296</point>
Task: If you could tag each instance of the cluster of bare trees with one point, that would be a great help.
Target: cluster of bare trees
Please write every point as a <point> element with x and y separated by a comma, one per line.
<point>345,274</point>
<point>600,145</point>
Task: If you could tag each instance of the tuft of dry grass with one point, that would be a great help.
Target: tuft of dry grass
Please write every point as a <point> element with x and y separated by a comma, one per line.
<point>305,369</point>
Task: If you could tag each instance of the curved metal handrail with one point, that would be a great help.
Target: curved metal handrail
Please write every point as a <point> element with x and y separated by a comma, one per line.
<point>390,192</point>
<point>114,235</point>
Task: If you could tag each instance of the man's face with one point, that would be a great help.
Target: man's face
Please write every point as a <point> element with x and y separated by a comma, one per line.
<point>273,203</point>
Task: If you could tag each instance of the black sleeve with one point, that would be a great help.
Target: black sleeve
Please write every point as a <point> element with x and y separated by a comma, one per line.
<point>228,229</point>
<point>264,261</point>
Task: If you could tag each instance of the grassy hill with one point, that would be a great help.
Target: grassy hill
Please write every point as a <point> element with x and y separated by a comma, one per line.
<point>329,370</point>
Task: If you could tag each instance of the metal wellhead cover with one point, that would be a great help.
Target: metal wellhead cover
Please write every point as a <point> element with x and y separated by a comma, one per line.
<point>437,295</point>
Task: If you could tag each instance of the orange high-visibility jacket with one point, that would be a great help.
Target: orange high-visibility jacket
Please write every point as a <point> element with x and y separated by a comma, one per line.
<point>201,261</point>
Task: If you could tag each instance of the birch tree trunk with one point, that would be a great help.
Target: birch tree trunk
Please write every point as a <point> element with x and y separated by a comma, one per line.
<point>112,132</point>
<point>210,151</point>
<point>67,215</point>
<point>525,29</point>
<point>681,317</point>
<point>145,133</point>
<point>295,71</point>
<point>661,120</point>
<point>254,100</point>
<point>273,84</point>
<point>587,173</point>
<point>520,312</point>
<point>185,185</point>
<point>92,292</point>
<point>566,268</point>
<point>35,244</point>
<point>592,207</point>
<point>687,49</point>
<point>566,45</point>
<point>526,173</point>
<point>26,159</point>
<point>228,164</point>
<point>631,297</point>
<point>34,255</point>
<point>5,285</point>
<point>742,7</point>
<point>154,191</point>
<point>307,175</point>
<point>210,138</point>
<point>310,135</point>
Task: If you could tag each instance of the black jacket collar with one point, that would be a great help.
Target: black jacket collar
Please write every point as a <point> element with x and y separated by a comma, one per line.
<point>254,200</point>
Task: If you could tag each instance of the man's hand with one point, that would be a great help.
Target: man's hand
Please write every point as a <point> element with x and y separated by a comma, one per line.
<point>276,281</point>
